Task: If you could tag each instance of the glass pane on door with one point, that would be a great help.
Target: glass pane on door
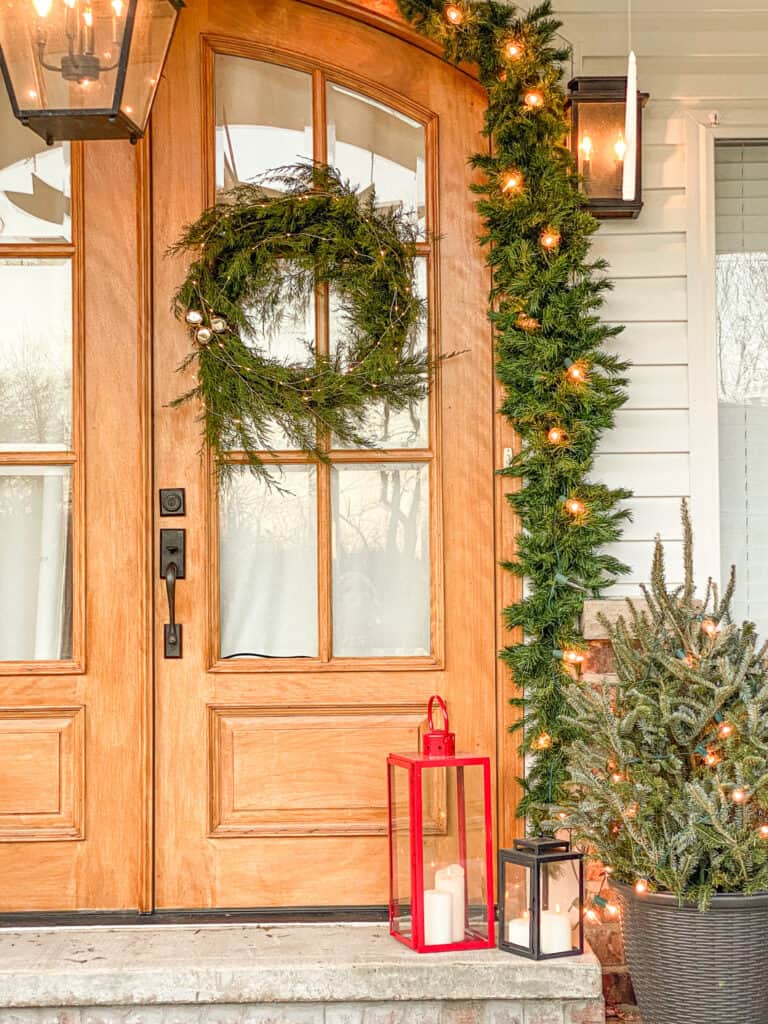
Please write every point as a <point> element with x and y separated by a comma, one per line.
<point>380,560</point>
<point>36,355</point>
<point>378,148</point>
<point>263,119</point>
<point>36,556</point>
<point>35,184</point>
<point>268,564</point>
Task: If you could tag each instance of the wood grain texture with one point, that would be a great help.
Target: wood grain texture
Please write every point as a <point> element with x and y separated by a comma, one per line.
<point>195,869</point>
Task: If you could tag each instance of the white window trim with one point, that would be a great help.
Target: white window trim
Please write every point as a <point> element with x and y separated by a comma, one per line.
<point>702,337</point>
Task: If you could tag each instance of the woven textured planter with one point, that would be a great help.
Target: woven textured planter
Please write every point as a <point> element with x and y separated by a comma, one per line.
<point>690,967</point>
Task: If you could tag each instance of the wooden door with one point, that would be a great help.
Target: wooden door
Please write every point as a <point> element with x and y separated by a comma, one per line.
<point>74,534</point>
<point>317,622</point>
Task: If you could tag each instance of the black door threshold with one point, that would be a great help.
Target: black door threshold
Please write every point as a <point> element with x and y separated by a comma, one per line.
<point>269,915</point>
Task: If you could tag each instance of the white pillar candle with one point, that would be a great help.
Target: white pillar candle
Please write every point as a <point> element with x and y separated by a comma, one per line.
<point>451,879</point>
<point>556,934</point>
<point>519,931</point>
<point>437,917</point>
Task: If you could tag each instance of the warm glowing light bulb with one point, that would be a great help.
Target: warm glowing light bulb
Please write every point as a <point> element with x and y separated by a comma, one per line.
<point>562,816</point>
<point>725,730</point>
<point>591,916</point>
<point>616,778</point>
<point>534,100</point>
<point>620,148</point>
<point>117,7</point>
<point>641,886</point>
<point>631,811</point>
<point>763,831</point>
<point>512,181</point>
<point>549,238</point>
<point>88,17</point>
<point>576,373</point>
<point>586,147</point>
<point>512,49</point>
<point>739,795</point>
<point>574,506</point>
<point>612,909</point>
<point>711,759</point>
<point>527,323</point>
<point>543,741</point>
<point>70,3</point>
<point>453,14</point>
<point>710,627</point>
<point>573,657</point>
<point>43,7</point>
<point>556,435</point>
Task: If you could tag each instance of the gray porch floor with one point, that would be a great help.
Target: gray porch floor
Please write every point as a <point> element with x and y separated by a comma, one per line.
<point>329,974</point>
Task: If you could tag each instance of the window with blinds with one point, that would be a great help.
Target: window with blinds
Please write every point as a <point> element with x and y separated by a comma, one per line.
<point>741,207</point>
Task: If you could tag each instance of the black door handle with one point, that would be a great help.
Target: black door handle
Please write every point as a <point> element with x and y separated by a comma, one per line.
<point>172,566</point>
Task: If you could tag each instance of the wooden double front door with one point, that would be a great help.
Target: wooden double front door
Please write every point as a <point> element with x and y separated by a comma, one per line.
<point>317,618</point>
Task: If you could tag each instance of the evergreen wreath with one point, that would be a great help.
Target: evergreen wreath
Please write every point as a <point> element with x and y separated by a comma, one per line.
<point>562,388</point>
<point>256,253</point>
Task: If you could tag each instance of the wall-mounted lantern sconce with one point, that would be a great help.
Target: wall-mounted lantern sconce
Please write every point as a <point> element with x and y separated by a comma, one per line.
<point>598,108</point>
<point>85,69</point>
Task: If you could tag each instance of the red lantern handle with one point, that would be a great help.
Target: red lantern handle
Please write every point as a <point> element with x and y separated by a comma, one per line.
<point>443,708</point>
<point>438,742</point>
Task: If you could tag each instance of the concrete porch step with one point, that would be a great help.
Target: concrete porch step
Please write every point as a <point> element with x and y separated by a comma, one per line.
<point>278,974</point>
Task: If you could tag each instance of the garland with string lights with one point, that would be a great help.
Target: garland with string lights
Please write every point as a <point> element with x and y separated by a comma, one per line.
<point>670,786</point>
<point>258,254</point>
<point>562,388</point>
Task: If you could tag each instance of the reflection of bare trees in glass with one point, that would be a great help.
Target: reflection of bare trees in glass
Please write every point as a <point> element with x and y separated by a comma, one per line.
<point>35,397</point>
<point>742,319</point>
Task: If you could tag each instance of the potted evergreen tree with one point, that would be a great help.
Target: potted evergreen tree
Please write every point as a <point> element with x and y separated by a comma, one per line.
<point>670,791</point>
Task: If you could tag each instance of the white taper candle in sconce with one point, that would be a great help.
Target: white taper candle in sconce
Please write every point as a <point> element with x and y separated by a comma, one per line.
<point>630,131</point>
<point>437,917</point>
<point>451,880</point>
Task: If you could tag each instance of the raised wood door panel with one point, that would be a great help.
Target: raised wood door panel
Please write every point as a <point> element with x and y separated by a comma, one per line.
<point>271,781</point>
<point>74,766</point>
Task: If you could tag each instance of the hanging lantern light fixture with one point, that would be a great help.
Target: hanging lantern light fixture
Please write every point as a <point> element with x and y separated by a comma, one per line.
<point>601,144</point>
<point>84,69</point>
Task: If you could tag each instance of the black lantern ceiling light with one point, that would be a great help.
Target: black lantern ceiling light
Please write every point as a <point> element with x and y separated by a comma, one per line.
<point>602,145</point>
<point>85,69</point>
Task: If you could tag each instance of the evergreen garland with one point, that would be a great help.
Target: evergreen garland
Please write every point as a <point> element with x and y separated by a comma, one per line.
<point>256,254</point>
<point>670,779</point>
<point>562,388</point>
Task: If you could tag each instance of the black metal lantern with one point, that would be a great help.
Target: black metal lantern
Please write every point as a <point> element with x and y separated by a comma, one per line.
<point>85,69</point>
<point>541,899</point>
<point>598,108</point>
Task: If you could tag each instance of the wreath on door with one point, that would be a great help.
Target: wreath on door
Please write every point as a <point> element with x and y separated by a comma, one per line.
<point>265,247</point>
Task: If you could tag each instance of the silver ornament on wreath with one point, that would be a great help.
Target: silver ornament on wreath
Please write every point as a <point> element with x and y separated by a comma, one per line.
<point>194,317</point>
<point>203,335</point>
<point>218,324</point>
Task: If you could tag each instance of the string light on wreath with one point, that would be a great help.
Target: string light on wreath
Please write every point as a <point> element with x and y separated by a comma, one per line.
<point>763,831</point>
<point>533,100</point>
<point>569,656</point>
<point>453,14</point>
<point>725,730</point>
<point>710,627</point>
<point>543,741</point>
<point>740,794</point>
<point>527,323</point>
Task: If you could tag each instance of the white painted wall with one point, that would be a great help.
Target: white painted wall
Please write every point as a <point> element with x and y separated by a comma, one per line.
<point>694,57</point>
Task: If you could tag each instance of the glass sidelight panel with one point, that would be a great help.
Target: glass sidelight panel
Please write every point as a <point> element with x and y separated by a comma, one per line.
<point>36,355</point>
<point>385,427</point>
<point>380,560</point>
<point>376,147</point>
<point>268,564</point>
<point>263,119</point>
<point>36,556</point>
<point>35,184</point>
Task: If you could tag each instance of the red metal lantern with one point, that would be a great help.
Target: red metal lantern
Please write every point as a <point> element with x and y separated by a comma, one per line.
<point>440,845</point>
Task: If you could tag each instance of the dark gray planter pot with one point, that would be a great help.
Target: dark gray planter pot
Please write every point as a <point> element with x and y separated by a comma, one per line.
<point>690,967</point>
